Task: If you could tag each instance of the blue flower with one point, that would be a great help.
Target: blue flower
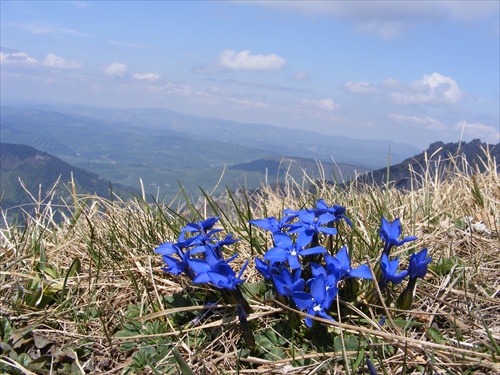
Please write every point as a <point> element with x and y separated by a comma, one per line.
<point>337,211</point>
<point>271,223</point>
<point>310,225</point>
<point>342,263</point>
<point>216,271</point>
<point>229,240</point>
<point>417,269</point>
<point>286,284</point>
<point>371,368</point>
<point>176,266</point>
<point>390,271</point>
<point>203,227</point>
<point>330,274</point>
<point>390,232</point>
<point>317,301</point>
<point>286,250</point>
<point>418,264</point>
<point>265,269</point>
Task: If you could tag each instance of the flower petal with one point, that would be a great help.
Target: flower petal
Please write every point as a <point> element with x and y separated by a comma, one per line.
<point>312,251</point>
<point>362,271</point>
<point>275,254</point>
<point>303,300</point>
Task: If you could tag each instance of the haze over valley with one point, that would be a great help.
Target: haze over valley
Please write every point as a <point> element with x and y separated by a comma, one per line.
<point>164,148</point>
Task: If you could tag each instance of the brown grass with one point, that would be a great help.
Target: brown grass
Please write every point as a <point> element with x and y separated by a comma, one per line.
<point>113,243</point>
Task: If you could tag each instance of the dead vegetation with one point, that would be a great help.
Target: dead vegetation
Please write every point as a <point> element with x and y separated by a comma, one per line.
<point>87,294</point>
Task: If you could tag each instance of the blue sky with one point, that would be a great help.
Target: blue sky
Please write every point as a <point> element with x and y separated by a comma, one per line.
<point>406,71</point>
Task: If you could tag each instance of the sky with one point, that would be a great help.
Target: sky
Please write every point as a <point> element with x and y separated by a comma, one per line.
<point>405,71</point>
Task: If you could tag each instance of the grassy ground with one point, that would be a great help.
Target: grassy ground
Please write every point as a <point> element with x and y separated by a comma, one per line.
<point>89,296</point>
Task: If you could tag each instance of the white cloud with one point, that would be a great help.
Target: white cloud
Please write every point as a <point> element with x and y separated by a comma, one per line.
<point>17,58</point>
<point>426,122</point>
<point>362,88</point>
<point>53,61</point>
<point>301,75</point>
<point>323,104</point>
<point>244,60</point>
<point>81,4</point>
<point>147,76</point>
<point>248,104</point>
<point>116,70</point>
<point>178,89</point>
<point>389,19</point>
<point>434,88</point>
<point>48,29</point>
<point>385,29</point>
<point>392,83</point>
<point>486,133</point>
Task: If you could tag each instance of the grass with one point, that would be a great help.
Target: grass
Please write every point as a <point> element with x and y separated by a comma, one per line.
<point>87,294</point>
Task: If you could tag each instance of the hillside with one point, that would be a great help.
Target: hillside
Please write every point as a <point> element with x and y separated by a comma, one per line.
<point>436,161</point>
<point>163,147</point>
<point>39,171</point>
<point>296,167</point>
<point>277,140</point>
<point>90,295</point>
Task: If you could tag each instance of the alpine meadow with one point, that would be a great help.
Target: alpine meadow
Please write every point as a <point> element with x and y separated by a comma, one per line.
<point>250,187</point>
<point>306,277</point>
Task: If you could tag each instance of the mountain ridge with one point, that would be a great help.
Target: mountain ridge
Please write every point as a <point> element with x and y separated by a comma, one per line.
<point>441,158</point>
<point>283,141</point>
<point>40,170</point>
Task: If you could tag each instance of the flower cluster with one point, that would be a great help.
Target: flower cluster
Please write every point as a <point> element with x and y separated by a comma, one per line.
<point>201,258</point>
<point>299,266</point>
<point>388,269</point>
<point>304,273</point>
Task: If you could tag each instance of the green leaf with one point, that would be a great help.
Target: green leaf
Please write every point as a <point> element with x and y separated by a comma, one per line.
<point>41,342</point>
<point>435,335</point>
<point>134,311</point>
<point>24,359</point>
<point>185,369</point>
<point>5,329</point>
<point>52,272</point>
<point>74,269</point>
<point>40,362</point>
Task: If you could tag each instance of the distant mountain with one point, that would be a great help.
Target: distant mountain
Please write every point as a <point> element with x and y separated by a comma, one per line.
<point>275,167</point>
<point>37,169</point>
<point>164,148</point>
<point>439,157</point>
<point>273,140</point>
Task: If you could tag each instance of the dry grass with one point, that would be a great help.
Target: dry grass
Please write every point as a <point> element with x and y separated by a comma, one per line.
<point>67,290</point>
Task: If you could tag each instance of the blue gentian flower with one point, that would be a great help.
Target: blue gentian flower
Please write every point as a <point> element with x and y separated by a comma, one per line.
<point>263,268</point>
<point>310,225</point>
<point>290,214</point>
<point>342,263</point>
<point>203,227</point>
<point>271,223</point>
<point>286,284</point>
<point>286,250</point>
<point>317,301</point>
<point>216,271</point>
<point>390,272</point>
<point>337,211</point>
<point>229,240</point>
<point>331,275</point>
<point>417,269</point>
<point>418,264</point>
<point>176,266</point>
<point>371,368</point>
<point>390,232</point>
